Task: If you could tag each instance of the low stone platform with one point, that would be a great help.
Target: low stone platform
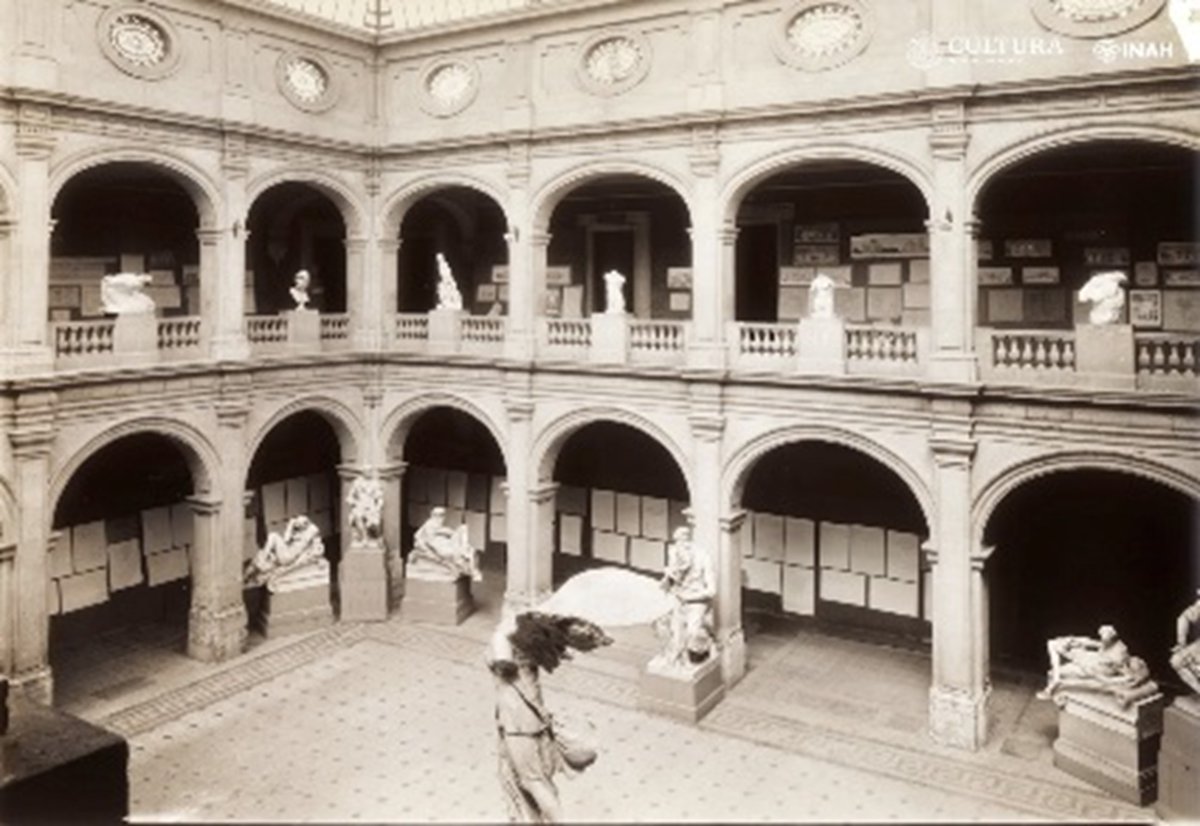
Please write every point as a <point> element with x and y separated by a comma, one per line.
<point>363,583</point>
<point>1111,746</point>
<point>1179,762</point>
<point>296,605</point>
<point>686,693</point>
<point>438,601</point>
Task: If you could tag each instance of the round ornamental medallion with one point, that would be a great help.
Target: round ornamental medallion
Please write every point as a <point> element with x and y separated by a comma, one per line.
<point>448,86</point>
<point>138,41</point>
<point>306,82</point>
<point>1094,18</point>
<point>821,34</point>
<point>610,63</point>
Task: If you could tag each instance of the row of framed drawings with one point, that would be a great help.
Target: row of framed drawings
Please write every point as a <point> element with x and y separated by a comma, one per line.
<point>1168,253</point>
<point>1145,274</point>
<point>1149,309</point>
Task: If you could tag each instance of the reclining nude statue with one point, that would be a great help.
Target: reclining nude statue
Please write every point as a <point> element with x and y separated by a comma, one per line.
<point>299,547</point>
<point>441,552</point>
<point>1185,656</point>
<point>1101,665</point>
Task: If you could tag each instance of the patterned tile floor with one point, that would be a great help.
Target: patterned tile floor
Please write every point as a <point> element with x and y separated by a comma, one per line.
<point>391,722</point>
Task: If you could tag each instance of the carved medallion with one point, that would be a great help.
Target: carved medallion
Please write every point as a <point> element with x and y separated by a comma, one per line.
<point>822,34</point>
<point>610,63</point>
<point>449,86</point>
<point>305,81</point>
<point>1094,18</point>
<point>139,41</point>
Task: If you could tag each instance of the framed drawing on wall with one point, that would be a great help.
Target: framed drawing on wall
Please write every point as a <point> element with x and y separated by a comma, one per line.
<point>1145,274</point>
<point>500,273</point>
<point>679,278</point>
<point>1039,275</point>
<point>1028,248</point>
<point>1145,308</point>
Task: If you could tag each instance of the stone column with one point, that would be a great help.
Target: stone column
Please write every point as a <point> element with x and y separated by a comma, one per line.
<point>710,267</point>
<point>526,288</point>
<point>211,287</point>
<point>392,478</point>
<point>952,261</point>
<point>362,295</point>
<point>530,514</point>
<point>959,693</point>
<point>729,598</point>
<point>224,284</point>
<point>32,438</point>
<point>217,620</point>
<point>28,348</point>
<point>389,288</point>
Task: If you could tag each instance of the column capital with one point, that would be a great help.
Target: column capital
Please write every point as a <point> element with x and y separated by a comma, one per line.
<point>7,225</point>
<point>979,558</point>
<point>392,470</point>
<point>32,441</point>
<point>539,238</point>
<point>352,470</point>
<point>389,245</point>
<point>929,555</point>
<point>542,492</point>
<point>202,505</point>
<point>209,235</point>
<point>727,234</point>
<point>8,552</point>
<point>355,243</point>
<point>952,450</point>
<point>707,427</point>
<point>732,521</point>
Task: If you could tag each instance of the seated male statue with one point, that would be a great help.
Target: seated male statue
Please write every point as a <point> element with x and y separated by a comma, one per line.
<point>298,547</point>
<point>441,552</point>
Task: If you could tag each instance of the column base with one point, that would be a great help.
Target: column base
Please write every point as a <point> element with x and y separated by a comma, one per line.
<point>215,636</point>
<point>733,657</point>
<point>368,340</point>
<point>36,684</point>
<point>958,718</point>
<point>363,581</point>
<point>683,692</point>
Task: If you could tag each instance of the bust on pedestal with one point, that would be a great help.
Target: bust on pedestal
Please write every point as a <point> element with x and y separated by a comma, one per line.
<point>684,680</point>
<point>1179,758</point>
<point>439,573</point>
<point>293,568</point>
<point>610,329</point>
<point>821,338</point>
<point>1104,347</point>
<point>304,323</point>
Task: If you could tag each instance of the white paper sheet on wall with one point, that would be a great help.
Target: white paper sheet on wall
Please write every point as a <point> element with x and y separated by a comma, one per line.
<point>675,516</point>
<point>610,547</point>
<point>844,587</point>
<point>768,537</point>
<point>799,541</point>
<point>647,554</point>
<point>866,550</point>
<point>456,489</point>
<point>274,502</point>
<point>498,500</point>
<point>629,514</point>
<point>182,528</point>
<point>570,534</point>
<point>763,575</point>
<point>572,500</point>
<point>903,556</point>
<point>604,510</point>
<point>799,590</point>
<point>478,488</point>
<point>60,556</point>
<point>498,528</point>
<point>297,496</point>
<point>83,590</point>
<point>893,596</point>
<point>124,565</point>
<point>89,546</point>
<point>476,522</point>
<point>436,490</point>
<point>835,546</point>
<point>654,518</point>
<point>166,567</point>
<point>156,530</point>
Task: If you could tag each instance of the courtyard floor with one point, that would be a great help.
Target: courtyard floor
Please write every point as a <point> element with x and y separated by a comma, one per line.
<point>392,722</point>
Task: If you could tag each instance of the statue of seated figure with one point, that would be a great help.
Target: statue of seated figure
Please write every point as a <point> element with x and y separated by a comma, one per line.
<point>297,548</point>
<point>1101,665</point>
<point>441,552</point>
<point>689,579</point>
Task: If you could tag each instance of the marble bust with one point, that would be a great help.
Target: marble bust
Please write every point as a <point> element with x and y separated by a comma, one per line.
<point>614,294</point>
<point>299,551</point>
<point>123,293</point>
<point>449,297</point>
<point>1105,292</point>
<point>299,290</point>
<point>820,297</point>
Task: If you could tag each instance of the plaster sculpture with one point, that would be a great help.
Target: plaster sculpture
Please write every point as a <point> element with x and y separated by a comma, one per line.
<point>442,553</point>
<point>365,502</point>
<point>1104,291</point>
<point>690,581</point>
<point>614,295</point>
<point>820,297</point>
<point>449,297</point>
<point>298,548</point>
<point>299,290</point>
<point>122,294</point>
<point>1185,656</point>
<point>1101,665</point>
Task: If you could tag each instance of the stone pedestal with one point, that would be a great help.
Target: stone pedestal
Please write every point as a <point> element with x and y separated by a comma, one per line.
<point>1179,762</point>
<point>363,583</point>
<point>298,603</point>
<point>395,573</point>
<point>821,346</point>
<point>685,693</point>
<point>610,338</point>
<point>445,329</point>
<point>304,329</point>
<point>1105,353</point>
<point>439,601</point>
<point>1109,746</point>
<point>135,335</point>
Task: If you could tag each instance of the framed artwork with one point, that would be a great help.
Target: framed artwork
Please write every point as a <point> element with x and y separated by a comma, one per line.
<point>984,249</point>
<point>1181,278</point>
<point>1178,253</point>
<point>65,296</point>
<point>827,233</point>
<point>1039,275</point>
<point>558,276</point>
<point>995,276</point>
<point>161,260</point>
<point>1145,308</point>
<point>1028,248</point>
<point>500,273</point>
<point>554,301</point>
<point>502,293</point>
<point>883,274</point>
<point>572,301</point>
<point>794,276</point>
<point>840,274</point>
<point>680,302</point>
<point>485,293</point>
<point>918,271</point>
<point>807,254</point>
<point>679,278</point>
<point>890,245</point>
<point>1106,256</point>
<point>1145,274</point>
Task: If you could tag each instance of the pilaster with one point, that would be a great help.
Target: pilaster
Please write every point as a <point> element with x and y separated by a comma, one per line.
<point>730,635</point>
<point>388,256</point>
<point>226,284</point>
<point>217,619</point>
<point>363,294</point>
<point>29,349</point>
<point>530,512</point>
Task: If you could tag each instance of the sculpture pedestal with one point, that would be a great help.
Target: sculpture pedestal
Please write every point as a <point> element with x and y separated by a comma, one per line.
<point>821,346</point>
<point>445,329</point>
<point>610,338</point>
<point>297,603</point>
<point>1106,354</point>
<point>686,693</point>
<point>304,328</point>
<point>1179,762</point>
<point>136,335</point>
<point>1109,746</point>
<point>439,601</point>
<point>363,583</point>
<point>395,573</point>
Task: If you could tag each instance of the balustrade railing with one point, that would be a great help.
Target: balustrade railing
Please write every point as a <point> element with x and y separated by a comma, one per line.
<point>267,329</point>
<point>1033,349</point>
<point>765,340</point>
<point>486,330</point>
<point>82,339</point>
<point>896,345</point>
<point>1166,354</point>
<point>568,333</point>
<point>335,327</point>
<point>179,334</point>
<point>410,331</point>
<point>657,339</point>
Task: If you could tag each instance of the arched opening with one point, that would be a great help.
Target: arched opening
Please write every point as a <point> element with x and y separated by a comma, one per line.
<point>628,223</point>
<point>620,495</point>
<point>1049,223</point>
<point>294,472</point>
<point>295,226</point>
<point>860,224</point>
<point>467,227</point>
<point>119,571</point>
<point>1077,549</point>
<point>123,217</point>
<point>454,462</point>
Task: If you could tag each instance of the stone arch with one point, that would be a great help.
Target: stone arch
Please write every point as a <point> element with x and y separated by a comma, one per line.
<point>751,175</point>
<point>552,192</point>
<point>200,453</point>
<point>549,442</point>
<point>200,186</point>
<point>1001,485</point>
<point>1009,156</point>
<point>739,465</point>
<point>397,204</point>
<point>400,419</point>
<point>348,202</point>
<point>345,422</point>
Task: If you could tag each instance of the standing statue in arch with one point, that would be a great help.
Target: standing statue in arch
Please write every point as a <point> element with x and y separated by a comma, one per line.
<point>614,293</point>
<point>365,507</point>
<point>1105,292</point>
<point>449,297</point>
<point>820,297</point>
